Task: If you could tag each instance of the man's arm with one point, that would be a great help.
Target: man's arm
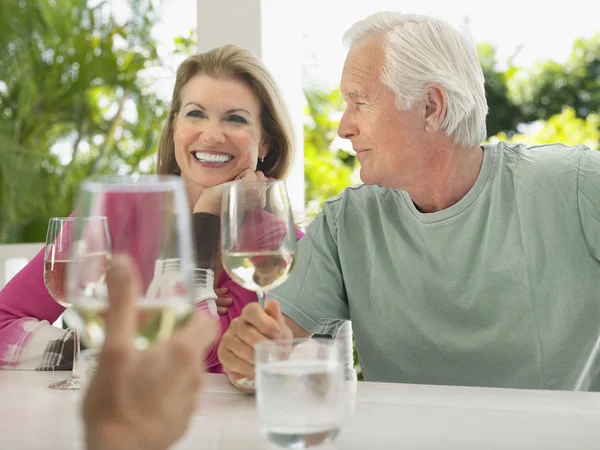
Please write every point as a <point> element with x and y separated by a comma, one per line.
<point>588,194</point>
<point>297,330</point>
<point>313,299</point>
<point>314,295</point>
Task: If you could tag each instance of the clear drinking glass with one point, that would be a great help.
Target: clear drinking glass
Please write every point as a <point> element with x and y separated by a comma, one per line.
<point>58,258</point>
<point>148,219</point>
<point>300,392</point>
<point>258,237</point>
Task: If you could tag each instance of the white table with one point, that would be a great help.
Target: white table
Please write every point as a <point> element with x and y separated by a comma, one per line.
<point>385,416</point>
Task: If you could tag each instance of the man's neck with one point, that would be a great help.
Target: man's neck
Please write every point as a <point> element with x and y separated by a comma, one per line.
<point>448,177</point>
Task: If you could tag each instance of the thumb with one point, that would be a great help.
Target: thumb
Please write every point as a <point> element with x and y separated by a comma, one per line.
<point>200,329</point>
<point>123,283</point>
<point>272,309</point>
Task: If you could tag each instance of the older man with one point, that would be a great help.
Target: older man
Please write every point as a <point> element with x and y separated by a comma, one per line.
<point>457,263</point>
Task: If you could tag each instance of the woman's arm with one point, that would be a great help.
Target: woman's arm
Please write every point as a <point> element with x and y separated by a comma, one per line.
<point>27,310</point>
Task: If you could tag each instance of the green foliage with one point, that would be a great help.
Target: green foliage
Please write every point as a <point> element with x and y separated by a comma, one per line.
<point>327,170</point>
<point>73,102</point>
<point>545,88</point>
<point>505,114</point>
<point>565,127</point>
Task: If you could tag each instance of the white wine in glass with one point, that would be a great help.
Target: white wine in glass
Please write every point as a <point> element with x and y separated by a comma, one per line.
<point>261,270</point>
<point>258,236</point>
<point>57,261</point>
<point>149,222</point>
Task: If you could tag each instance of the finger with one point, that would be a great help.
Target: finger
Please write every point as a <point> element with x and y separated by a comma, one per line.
<point>273,310</point>
<point>233,364</point>
<point>235,377</point>
<point>250,336</point>
<point>245,174</point>
<point>261,176</point>
<point>123,283</point>
<point>221,291</point>
<point>222,310</point>
<point>193,379</point>
<point>256,316</point>
<point>201,330</point>
<point>240,349</point>
<point>224,301</point>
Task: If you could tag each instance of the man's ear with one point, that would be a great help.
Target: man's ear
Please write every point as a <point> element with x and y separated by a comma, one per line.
<point>435,107</point>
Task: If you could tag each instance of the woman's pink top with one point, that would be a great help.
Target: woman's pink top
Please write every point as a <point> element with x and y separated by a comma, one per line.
<point>27,310</point>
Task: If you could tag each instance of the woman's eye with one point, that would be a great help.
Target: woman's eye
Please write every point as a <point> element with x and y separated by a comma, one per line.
<point>195,113</point>
<point>237,119</point>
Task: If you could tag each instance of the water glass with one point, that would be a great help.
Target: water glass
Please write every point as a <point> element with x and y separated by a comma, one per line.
<point>300,391</point>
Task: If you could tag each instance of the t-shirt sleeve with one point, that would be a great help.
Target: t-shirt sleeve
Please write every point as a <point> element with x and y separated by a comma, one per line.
<point>314,295</point>
<point>588,194</point>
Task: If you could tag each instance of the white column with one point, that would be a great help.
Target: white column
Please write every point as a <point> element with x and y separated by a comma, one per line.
<point>270,29</point>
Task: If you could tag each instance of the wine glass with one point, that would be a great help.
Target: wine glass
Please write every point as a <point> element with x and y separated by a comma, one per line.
<point>57,260</point>
<point>149,221</point>
<point>258,237</point>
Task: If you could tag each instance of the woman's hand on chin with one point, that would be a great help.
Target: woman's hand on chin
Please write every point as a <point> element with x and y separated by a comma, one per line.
<point>210,200</point>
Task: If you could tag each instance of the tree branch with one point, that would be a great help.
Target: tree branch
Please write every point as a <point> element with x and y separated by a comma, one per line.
<point>82,129</point>
<point>110,135</point>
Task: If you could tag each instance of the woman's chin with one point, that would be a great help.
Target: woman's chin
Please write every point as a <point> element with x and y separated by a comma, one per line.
<point>207,180</point>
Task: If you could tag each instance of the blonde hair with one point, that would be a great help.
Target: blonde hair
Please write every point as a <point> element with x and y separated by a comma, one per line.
<point>231,61</point>
<point>422,50</point>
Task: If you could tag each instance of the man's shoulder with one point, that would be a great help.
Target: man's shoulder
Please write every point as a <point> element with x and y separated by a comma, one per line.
<point>550,156</point>
<point>540,163</point>
<point>357,196</point>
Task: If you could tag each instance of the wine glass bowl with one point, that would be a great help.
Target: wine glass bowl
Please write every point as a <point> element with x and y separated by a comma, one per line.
<point>148,221</point>
<point>258,236</point>
<point>57,263</point>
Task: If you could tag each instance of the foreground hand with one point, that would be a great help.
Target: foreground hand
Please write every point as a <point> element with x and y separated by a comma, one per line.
<point>210,200</point>
<point>143,399</point>
<point>236,351</point>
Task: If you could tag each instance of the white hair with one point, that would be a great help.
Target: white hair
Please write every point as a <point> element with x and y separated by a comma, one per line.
<point>421,51</point>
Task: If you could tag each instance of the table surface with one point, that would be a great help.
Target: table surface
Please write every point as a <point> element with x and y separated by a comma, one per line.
<point>380,416</point>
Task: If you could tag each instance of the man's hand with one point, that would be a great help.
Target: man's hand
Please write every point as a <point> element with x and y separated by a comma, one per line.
<point>236,351</point>
<point>143,399</point>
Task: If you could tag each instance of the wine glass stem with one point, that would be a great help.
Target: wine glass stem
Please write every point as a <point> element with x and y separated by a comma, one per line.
<point>261,298</point>
<point>76,348</point>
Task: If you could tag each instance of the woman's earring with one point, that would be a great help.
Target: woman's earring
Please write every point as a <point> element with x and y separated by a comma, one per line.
<point>262,159</point>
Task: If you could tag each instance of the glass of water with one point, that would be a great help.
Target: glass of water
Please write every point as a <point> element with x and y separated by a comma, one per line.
<point>299,391</point>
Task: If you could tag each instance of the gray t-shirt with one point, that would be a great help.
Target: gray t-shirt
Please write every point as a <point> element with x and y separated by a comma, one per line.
<point>501,289</point>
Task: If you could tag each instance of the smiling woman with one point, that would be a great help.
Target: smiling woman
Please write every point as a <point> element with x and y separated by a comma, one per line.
<point>225,103</point>
<point>227,122</point>
<point>218,133</point>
